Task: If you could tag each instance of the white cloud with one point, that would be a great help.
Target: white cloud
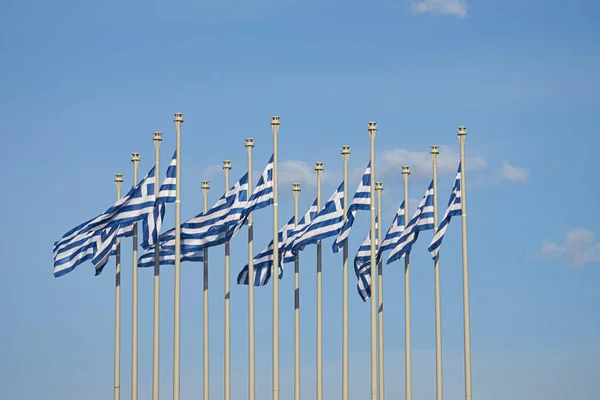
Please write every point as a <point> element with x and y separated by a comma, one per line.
<point>513,174</point>
<point>296,171</point>
<point>578,249</point>
<point>211,171</point>
<point>457,8</point>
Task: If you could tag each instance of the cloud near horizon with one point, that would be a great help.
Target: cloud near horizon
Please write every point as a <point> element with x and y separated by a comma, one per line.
<point>457,8</point>
<point>579,248</point>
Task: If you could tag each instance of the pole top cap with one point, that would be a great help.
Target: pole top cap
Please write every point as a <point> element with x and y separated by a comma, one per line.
<point>135,157</point>
<point>119,178</point>
<point>406,170</point>
<point>345,150</point>
<point>318,166</point>
<point>274,120</point>
<point>157,136</point>
<point>434,149</point>
<point>372,126</point>
<point>462,131</point>
<point>249,142</point>
<point>178,117</point>
<point>295,187</point>
<point>226,164</point>
<point>205,185</point>
<point>378,185</point>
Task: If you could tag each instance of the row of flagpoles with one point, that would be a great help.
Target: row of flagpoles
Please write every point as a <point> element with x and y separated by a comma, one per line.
<point>99,238</point>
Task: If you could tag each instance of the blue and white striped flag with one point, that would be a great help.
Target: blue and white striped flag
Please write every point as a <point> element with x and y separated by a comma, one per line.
<point>327,223</point>
<point>422,220</point>
<point>454,208</point>
<point>393,234</point>
<point>151,225</point>
<point>82,242</point>
<point>361,201</point>
<point>362,264</point>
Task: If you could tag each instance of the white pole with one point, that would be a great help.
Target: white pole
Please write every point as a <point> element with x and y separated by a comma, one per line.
<point>251,379</point>
<point>379,189</point>
<point>319,170</point>
<point>275,275</point>
<point>205,187</point>
<point>372,131</point>
<point>462,135</point>
<point>177,303</point>
<point>407,346</point>
<point>155,350</point>
<point>438,310</point>
<point>227,372</point>
<point>135,158</point>
<point>345,394</point>
<point>296,192</point>
<point>117,394</point>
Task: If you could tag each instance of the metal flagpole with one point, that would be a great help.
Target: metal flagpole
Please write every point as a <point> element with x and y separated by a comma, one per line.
<point>227,372</point>
<point>117,394</point>
<point>251,391</point>
<point>462,135</point>
<point>379,189</point>
<point>372,126</point>
<point>407,347</point>
<point>177,302</point>
<point>345,155</point>
<point>319,170</point>
<point>205,187</point>
<point>155,351</point>
<point>275,275</point>
<point>135,158</point>
<point>296,192</point>
<point>438,311</point>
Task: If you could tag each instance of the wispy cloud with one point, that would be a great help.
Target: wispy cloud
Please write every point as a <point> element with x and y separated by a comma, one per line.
<point>513,174</point>
<point>456,8</point>
<point>296,171</point>
<point>578,249</point>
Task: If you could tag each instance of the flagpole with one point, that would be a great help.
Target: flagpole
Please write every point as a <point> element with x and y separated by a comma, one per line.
<point>296,192</point>
<point>407,345</point>
<point>251,380</point>
<point>379,189</point>
<point>462,135</point>
<point>117,393</point>
<point>205,187</point>
<point>155,353</point>
<point>275,129</point>
<point>178,119</point>
<point>319,170</point>
<point>135,158</point>
<point>372,127</point>
<point>434,150</point>
<point>227,378</point>
<point>345,155</point>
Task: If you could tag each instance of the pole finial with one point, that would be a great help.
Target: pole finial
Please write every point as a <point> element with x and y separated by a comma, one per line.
<point>135,157</point>
<point>157,136</point>
<point>275,120</point>
<point>372,126</point>
<point>295,187</point>
<point>318,166</point>
<point>205,185</point>
<point>379,186</point>
<point>249,142</point>
<point>434,149</point>
<point>406,170</point>
<point>462,131</point>
<point>119,178</point>
<point>178,117</point>
<point>226,164</point>
<point>345,150</point>
<point>275,125</point>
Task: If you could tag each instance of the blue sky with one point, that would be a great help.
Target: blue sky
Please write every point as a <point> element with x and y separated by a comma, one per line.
<point>84,84</point>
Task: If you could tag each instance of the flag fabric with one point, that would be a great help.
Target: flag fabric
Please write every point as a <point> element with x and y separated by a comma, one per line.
<point>362,263</point>
<point>454,208</point>
<point>421,220</point>
<point>393,234</point>
<point>82,242</point>
<point>327,222</point>
<point>109,242</point>
<point>361,201</point>
<point>151,225</point>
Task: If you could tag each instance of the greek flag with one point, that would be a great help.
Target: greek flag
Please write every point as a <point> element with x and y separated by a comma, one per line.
<point>151,225</point>
<point>327,223</point>
<point>106,242</point>
<point>454,208</point>
<point>82,242</point>
<point>422,220</point>
<point>393,234</point>
<point>361,201</point>
<point>362,264</point>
